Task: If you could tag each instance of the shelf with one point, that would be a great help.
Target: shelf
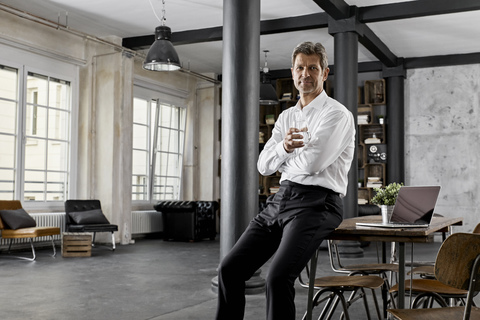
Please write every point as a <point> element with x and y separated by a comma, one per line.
<point>372,162</point>
<point>375,92</point>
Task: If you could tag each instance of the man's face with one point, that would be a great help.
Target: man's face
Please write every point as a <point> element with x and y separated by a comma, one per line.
<point>308,75</point>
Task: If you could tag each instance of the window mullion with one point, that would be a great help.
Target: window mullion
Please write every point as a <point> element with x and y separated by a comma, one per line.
<point>154,149</point>
<point>21,134</point>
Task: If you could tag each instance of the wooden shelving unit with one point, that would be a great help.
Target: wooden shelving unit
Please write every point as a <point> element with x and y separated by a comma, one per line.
<point>372,141</point>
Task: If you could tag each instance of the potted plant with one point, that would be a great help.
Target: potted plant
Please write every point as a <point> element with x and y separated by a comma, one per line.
<point>381,118</point>
<point>385,198</point>
<point>360,183</point>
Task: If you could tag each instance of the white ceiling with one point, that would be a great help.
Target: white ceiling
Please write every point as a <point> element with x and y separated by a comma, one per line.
<point>407,38</point>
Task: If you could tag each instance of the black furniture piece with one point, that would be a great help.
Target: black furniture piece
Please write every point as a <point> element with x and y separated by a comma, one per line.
<point>87,216</point>
<point>188,220</point>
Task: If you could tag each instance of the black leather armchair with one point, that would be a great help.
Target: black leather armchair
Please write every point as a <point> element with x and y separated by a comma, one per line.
<point>87,216</point>
<point>188,220</point>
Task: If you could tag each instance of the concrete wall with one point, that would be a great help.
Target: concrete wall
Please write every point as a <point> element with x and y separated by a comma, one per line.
<point>443,137</point>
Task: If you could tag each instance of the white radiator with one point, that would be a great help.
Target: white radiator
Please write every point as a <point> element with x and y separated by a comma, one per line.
<point>53,219</point>
<point>146,222</point>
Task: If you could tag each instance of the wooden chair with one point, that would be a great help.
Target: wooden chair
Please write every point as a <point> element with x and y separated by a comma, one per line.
<point>385,270</point>
<point>457,267</point>
<point>428,271</point>
<point>335,287</point>
<point>15,207</point>
<point>429,290</point>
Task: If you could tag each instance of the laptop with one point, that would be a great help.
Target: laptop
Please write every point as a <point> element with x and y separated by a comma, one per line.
<point>413,209</point>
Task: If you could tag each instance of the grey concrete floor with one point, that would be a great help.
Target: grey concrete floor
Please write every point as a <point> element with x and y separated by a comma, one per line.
<point>151,279</point>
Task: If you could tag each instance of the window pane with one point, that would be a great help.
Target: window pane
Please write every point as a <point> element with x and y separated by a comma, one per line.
<point>35,154</point>
<point>59,94</point>
<point>58,124</point>
<point>166,188</point>
<point>34,185</point>
<point>36,121</point>
<point>7,158</point>
<point>7,184</point>
<point>140,111</point>
<point>37,89</point>
<point>57,156</point>
<point>140,163</point>
<point>8,116</point>
<point>140,137</point>
<point>139,188</point>
<point>9,82</point>
<point>56,186</point>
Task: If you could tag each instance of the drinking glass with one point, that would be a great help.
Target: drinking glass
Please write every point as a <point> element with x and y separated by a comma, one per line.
<point>301,125</point>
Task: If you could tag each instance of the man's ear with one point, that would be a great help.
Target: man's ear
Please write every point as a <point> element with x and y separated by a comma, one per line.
<point>325,73</point>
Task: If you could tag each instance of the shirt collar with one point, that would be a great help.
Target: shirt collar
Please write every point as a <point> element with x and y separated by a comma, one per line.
<point>316,103</point>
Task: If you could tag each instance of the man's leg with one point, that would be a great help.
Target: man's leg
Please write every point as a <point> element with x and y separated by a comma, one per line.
<point>252,250</point>
<point>302,235</point>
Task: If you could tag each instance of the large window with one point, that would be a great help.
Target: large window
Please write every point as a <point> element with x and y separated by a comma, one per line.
<point>35,112</point>
<point>158,144</point>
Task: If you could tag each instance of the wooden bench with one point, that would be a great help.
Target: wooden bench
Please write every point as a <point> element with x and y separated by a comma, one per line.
<point>30,232</point>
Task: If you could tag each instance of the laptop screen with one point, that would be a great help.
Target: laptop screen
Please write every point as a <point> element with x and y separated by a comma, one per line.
<point>415,205</point>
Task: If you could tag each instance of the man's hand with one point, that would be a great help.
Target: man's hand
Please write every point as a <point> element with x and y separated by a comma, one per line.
<point>292,140</point>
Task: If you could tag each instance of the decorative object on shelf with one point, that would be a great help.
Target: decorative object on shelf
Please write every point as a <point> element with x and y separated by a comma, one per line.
<point>363,119</point>
<point>360,183</point>
<point>378,92</point>
<point>373,139</point>
<point>374,91</point>
<point>286,96</point>
<point>261,137</point>
<point>381,119</point>
<point>374,182</point>
<point>268,96</point>
<point>162,55</point>
<point>377,153</point>
<point>386,198</point>
<point>270,119</point>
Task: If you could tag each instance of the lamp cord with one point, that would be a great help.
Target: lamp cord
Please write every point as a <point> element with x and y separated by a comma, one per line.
<point>163,12</point>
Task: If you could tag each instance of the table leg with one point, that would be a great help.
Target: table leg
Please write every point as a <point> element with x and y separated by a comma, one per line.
<point>401,275</point>
<point>384,287</point>
<point>311,285</point>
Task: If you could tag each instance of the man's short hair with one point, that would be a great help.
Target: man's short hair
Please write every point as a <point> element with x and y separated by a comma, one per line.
<point>309,48</point>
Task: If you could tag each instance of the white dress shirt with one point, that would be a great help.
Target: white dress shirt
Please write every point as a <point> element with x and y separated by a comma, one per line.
<point>326,159</point>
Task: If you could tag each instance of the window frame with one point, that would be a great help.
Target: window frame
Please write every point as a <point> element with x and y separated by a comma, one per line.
<point>150,90</point>
<point>24,63</point>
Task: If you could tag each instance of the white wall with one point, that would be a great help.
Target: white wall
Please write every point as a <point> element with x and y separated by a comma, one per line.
<point>104,104</point>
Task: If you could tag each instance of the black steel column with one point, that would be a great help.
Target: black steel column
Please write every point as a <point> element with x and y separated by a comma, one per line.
<point>395,123</point>
<point>240,112</point>
<point>345,86</point>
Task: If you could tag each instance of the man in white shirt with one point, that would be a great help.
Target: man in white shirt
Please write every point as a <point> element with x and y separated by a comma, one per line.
<point>314,161</point>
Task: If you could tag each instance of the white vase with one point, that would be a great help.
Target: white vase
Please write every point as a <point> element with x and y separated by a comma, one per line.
<point>386,213</point>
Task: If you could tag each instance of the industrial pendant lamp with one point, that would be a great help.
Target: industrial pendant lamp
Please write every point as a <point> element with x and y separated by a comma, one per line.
<point>162,55</point>
<point>268,96</point>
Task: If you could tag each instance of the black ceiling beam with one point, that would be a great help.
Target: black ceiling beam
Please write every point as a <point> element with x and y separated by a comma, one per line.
<point>306,22</point>
<point>442,61</point>
<point>377,47</point>
<point>350,23</point>
<point>415,9</point>
<point>337,9</point>
<point>409,63</point>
